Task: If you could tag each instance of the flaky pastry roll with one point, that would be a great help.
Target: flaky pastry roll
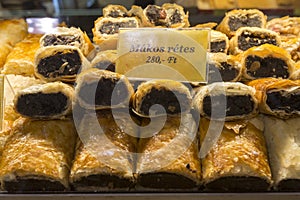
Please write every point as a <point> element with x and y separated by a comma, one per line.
<point>105,60</point>
<point>226,101</point>
<point>218,42</point>
<point>114,11</point>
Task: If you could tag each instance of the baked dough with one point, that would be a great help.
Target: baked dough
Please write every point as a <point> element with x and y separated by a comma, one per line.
<point>237,18</point>
<point>278,97</point>
<point>59,63</point>
<point>293,47</point>
<point>45,101</point>
<point>104,159</point>
<point>106,29</point>
<point>20,60</point>
<point>102,89</point>
<point>38,155</point>
<point>282,138</point>
<point>266,61</point>
<point>114,11</point>
<point>226,101</point>
<point>218,42</point>
<point>168,160</point>
<point>175,16</point>
<point>247,37</point>
<point>238,161</point>
<point>223,67</point>
<point>173,96</point>
<point>105,60</point>
<point>68,36</point>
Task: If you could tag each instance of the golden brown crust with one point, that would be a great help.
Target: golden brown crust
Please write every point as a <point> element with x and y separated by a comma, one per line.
<point>259,35</point>
<point>287,27</point>
<point>114,11</point>
<point>106,148</point>
<point>241,14</point>
<point>93,76</point>
<point>265,51</point>
<point>172,149</point>
<point>172,11</point>
<point>293,47</point>
<point>286,87</point>
<point>46,89</point>
<point>20,60</point>
<point>51,51</point>
<point>41,150</point>
<point>210,25</point>
<point>240,151</point>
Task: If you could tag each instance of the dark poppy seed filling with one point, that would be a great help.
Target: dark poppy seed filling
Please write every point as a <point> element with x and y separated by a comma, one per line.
<point>169,100</point>
<point>107,65</point>
<point>235,22</point>
<point>266,67</point>
<point>116,14</point>
<point>289,185</point>
<point>105,92</point>
<point>41,104</point>
<point>50,40</point>
<point>164,180</point>
<point>224,73</point>
<point>155,14</point>
<point>287,103</point>
<point>22,185</point>
<point>176,17</point>
<point>219,46</point>
<point>105,181</point>
<point>60,64</point>
<point>235,105</point>
<point>238,184</point>
<point>113,27</point>
<point>247,40</point>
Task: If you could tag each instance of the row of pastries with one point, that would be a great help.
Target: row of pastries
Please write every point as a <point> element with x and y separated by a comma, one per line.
<point>73,126</point>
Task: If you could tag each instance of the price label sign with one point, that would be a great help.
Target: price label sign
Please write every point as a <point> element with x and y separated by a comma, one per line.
<point>162,53</point>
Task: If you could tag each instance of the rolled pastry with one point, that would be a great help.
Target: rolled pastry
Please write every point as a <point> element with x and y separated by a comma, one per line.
<point>12,31</point>
<point>247,37</point>
<point>226,101</point>
<point>59,63</point>
<point>266,61</point>
<point>278,97</point>
<point>101,89</point>
<point>106,29</point>
<point>168,160</point>
<point>104,160</point>
<point>218,42</point>
<point>173,96</point>
<point>68,36</point>
<point>223,67</point>
<point>282,138</point>
<point>238,161</point>
<point>115,11</point>
<point>237,18</point>
<point>20,60</point>
<point>105,60</point>
<point>293,47</point>
<point>45,101</point>
<point>38,155</point>
<point>287,27</point>
<point>175,16</point>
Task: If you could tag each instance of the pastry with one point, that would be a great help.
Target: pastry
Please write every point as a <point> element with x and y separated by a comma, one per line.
<point>102,89</point>
<point>238,160</point>
<point>210,25</point>
<point>173,96</point>
<point>38,155</point>
<point>247,37</point>
<point>293,47</point>
<point>282,137</point>
<point>104,159</point>
<point>114,11</point>
<point>234,19</point>
<point>68,36</point>
<point>106,29</point>
<point>175,16</point>
<point>105,60</point>
<point>218,42</point>
<point>45,101</point>
<point>226,101</point>
<point>59,63</point>
<point>278,97</point>
<point>20,60</point>
<point>223,67</point>
<point>266,61</point>
<point>168,159</point>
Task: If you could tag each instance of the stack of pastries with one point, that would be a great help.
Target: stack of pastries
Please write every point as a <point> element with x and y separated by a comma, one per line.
<point>72,123</point>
